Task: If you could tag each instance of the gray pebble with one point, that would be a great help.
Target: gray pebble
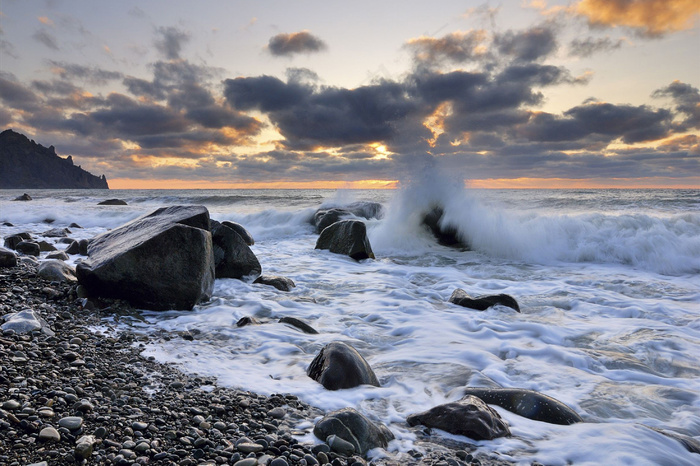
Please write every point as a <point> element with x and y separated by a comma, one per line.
<point>278,462</point>
<point>249,447</point>
<point>246,462</point>
<point>49,434</point>
<point>71,422</point>
<point>11,405</point>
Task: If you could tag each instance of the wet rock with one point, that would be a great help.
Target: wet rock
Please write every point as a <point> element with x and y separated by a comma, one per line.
<point>324,218</point>
<point>446,234</point>
<point>73,248</point>
<point>45,246</point>
<point>339,365</point>
<point>112,202</point>
<point>71,422</point>
<point>49,434</point>
<point>232,256</point>
<point>57,233</point>
<point>281,283</point>
<point>7,258</point>
<point>26,321</point>
<point>527,403</point>
<point>301,325</point>
<point>348,237</point>
<point>242,232</point>
<point>29,248</point>
<point>354,428</point>
<point>58,255</point>
<point>163,260</point>
<point>469,416</point>
<point>23,197</point>
<point>247,320</point>
<point>56,270</point>
<point>461,298</point>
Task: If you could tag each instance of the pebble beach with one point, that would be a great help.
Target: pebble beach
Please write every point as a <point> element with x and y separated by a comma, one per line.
<point>81,392</point>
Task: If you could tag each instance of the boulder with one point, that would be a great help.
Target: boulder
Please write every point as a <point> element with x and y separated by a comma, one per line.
<point>366,209</point>
<point>469,416</point>
<point>247,320</point>
<point>301,325</point>
<point>26,321</point>
<point>112,202</point>
<point>56,271</point>
<point>57,233</point>
<point>324,218</point>
<point>23,197</point>
<point>83,247</point>
<point>232,256</point>
<point>45,246</point>
<point>348,237</point>
<point>242,232</point>
<point>74,225</point>
<point>354,428</point>
<point>461,298</point>
<point>73,248</point>
<point>163,260</point>
<point>12,241</point>
<point>28,248</point>
<point>447,235</point>
<point>527,403</point>
<point>281,283</point>
<point>339,365</point>
<point>7,258</point>
<point>58,255</point>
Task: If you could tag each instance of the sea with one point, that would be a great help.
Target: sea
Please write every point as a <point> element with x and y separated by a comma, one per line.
<point>608,282</point>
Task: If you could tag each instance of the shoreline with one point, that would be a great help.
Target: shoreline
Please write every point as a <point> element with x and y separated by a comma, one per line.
<point>83,397</point>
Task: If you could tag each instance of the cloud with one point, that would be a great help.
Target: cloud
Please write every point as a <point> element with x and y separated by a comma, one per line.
<point>651,18</point>
<point>90,74</point>
<point>169,41</point>
<point>44,37</point>
<point>529,45</point>
<point>687,100</point>
<point>15,95</point>
<point>589,46</point>
<point>283,45</point>
<point>456,47</point>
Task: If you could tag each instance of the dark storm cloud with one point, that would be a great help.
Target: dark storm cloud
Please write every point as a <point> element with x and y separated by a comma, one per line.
<point>170,40</point>
<point>687,100</point>
<point>143,88</point>
<point>15,95</point>
<point>456,47</point>
<point>89,74</point>
<point>55,87</point>
<point>529,45</point>
<point>44,37</point>
<point>589,46</point>
<point>214,116</point>
<point>265,93</point>
<point>5,118</point>
<point>128,118</point>
<point>297,42</point>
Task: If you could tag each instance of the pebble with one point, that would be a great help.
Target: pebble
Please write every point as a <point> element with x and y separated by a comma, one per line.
<point>246,462</point>
<point>49,434</point>
<point>249,447</point>
<point>71,422</point>
<point>11,405</point>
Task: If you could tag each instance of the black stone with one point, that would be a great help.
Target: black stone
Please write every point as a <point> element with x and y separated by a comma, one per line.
<point>354,428</point>
<point>461,298</point>
<point>232,256</point>
<point>347,237</point>
<point>339,365</point>
<point>303,326</point>
<point>242,232</point>
<point>281,283</point>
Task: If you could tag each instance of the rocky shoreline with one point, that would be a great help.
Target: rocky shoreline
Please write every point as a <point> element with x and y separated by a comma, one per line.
<point>81,396</point>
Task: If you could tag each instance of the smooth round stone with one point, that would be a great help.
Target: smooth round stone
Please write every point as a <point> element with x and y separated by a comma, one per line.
<point>46,412</point>
<point>71,422</point>
<point>246,462</point>
<point>49,434</point>
<point>11,405</point>
<point>276,413</point>
<point>279,462</point>
<point>137,425</point>
<point>142,447</point>
<point>84,406</point>
<point>249,447</point>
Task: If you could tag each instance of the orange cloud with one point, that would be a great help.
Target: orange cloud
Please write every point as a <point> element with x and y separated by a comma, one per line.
<point>45,20</point>
<point>651,17</point>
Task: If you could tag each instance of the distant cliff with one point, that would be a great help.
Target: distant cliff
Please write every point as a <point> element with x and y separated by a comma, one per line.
<point>26,164</point>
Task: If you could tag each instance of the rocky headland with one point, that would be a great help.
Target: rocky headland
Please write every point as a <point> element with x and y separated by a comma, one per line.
<point>25,164</point>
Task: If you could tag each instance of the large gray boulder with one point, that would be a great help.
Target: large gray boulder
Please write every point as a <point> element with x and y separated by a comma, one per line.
<point>339,365</point>
<point>348,237</point>
<point>354,428</point>
<point>242,232</point>
<point>469,416</point>
<point>163,260</point>
<point>56,271</point>
<point>7,258</point>
<point>232,256</point>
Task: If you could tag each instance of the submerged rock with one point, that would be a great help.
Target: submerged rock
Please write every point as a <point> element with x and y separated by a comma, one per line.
<point>163,260</point>
<point>232,256</point>
<point>339,365</point>
<point>23,197</point>
<point>527,403</point>
<point>461,298</point>
<point>348,237</point>
<point>469,417</point>
<point>112,202</point>
<point>281,283</point>
<point>355,429</point>
<point>301,325</point>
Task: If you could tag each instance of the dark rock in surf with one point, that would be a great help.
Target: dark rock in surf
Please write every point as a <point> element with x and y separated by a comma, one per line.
<point>163,260</point>
<point>324,218</point>
<point>56,271</point>
<point>527,403</point>
<point>232,256</point>
<point>12,241</point>
<point>112,202</point>
<point>469,417</point>
<point>28,248</point>
<point>247,320</point>
<point>689,443</point>
<point>242,232</point>
<point>353,427</point>
<point>339,365</point>
<point>281,283</point>
<point>45,246</point>
<point>348,237</point>
<point>74,225</point>
<point>461,298</point>
<point>301,325</point>
<point>7,258</point>
<point>57,233</point>
<point>58,255</point>
<point>447,235</point>
<point>366,209</point>
<point>73,248</point>
<point>23,197</point>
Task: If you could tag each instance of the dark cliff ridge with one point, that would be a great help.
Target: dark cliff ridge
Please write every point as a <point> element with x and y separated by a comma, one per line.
<point>26,164</point>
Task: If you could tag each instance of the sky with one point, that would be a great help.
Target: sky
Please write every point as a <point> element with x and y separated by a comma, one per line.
<point>361,94</point>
